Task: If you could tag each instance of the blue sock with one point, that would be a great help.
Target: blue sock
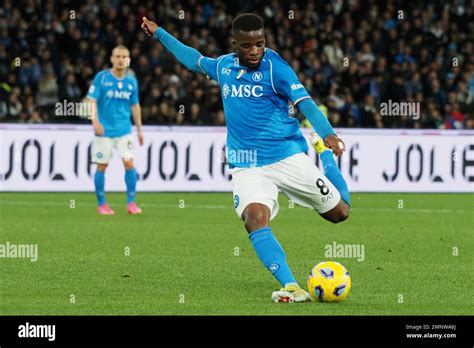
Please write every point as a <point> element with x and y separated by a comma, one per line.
<point>334,175</point>
<point>270,252</point>
<point>131,182</point>
<point>99,182</point>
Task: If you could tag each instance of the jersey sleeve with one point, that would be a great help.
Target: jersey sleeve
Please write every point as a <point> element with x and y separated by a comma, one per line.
<point>286,83</point>
<point>95,88</point>
<point>135,97</point>
<point>208,66</point>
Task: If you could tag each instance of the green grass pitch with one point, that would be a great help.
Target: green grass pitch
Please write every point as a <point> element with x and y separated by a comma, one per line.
<point>196,259</point>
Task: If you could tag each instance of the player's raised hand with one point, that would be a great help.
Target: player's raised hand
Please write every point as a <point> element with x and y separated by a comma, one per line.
<point>335,144</point>
<point>149,27</point>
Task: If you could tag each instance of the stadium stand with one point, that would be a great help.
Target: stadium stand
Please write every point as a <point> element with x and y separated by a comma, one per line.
<point>351,56</point>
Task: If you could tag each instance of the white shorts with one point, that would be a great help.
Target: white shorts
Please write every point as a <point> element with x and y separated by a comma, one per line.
<point>296,176</point>
<point>102,147</point>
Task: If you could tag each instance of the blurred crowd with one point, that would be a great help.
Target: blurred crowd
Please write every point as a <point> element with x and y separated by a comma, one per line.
<point>351,55</point>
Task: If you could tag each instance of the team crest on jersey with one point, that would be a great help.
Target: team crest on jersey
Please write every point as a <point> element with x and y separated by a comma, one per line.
<point>225,90</point>
<point>120,85</point>
<point>236,201</point>
<point>257,76</point>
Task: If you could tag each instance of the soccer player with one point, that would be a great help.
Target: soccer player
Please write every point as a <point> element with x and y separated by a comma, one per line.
<point>256,85</point>
<point>114,95</point>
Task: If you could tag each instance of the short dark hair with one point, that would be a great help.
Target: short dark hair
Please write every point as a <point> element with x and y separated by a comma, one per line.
<point>246,22</point>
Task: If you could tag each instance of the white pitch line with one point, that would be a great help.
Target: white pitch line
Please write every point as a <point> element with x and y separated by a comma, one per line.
<point>206,206</point>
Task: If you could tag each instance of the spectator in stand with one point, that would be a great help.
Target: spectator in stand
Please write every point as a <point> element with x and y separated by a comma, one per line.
<point>47,94</point>
<point>70,90</point>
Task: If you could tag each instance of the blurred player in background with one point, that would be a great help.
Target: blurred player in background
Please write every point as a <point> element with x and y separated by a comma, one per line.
<point>256,85</point>
<point>114,95</point>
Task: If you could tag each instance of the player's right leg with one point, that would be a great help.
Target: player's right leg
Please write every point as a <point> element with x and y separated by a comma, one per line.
<point>125,149</point>
<point>256,203</point>
<point>101,153</point>
<point>332,172</point>
<point>303,183</point>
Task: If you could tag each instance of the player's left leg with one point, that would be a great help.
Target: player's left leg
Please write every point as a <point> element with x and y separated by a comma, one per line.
<point>256,203</point>
<point>125,149</point>
<point>131,183</point>
<point>256,217</point>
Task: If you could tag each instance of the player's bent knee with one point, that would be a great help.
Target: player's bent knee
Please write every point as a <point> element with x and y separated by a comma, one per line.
<point>101,167</point>
<point>128,164</point>
<point>344,214</point>
<point>256,216</point>
<point>339,214</point>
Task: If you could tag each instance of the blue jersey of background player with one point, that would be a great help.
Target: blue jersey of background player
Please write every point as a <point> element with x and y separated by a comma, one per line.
<point>114,98</point>
<point>256,85</point>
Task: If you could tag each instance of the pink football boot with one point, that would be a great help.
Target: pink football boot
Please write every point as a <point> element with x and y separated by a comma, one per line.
<point>133,208</point>
<point>104,209</point>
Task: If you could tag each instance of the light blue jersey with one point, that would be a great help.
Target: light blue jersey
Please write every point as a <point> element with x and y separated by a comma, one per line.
<point>114,98</point>
<point>260,130</point>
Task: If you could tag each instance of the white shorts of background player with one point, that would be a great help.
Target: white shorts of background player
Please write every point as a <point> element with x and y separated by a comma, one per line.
<point>102,147</point>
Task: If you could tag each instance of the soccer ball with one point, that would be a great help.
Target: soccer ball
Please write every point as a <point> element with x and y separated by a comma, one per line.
<point>329,281</point>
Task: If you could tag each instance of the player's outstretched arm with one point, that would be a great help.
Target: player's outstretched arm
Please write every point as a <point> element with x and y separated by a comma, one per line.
<point>186,55</point>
